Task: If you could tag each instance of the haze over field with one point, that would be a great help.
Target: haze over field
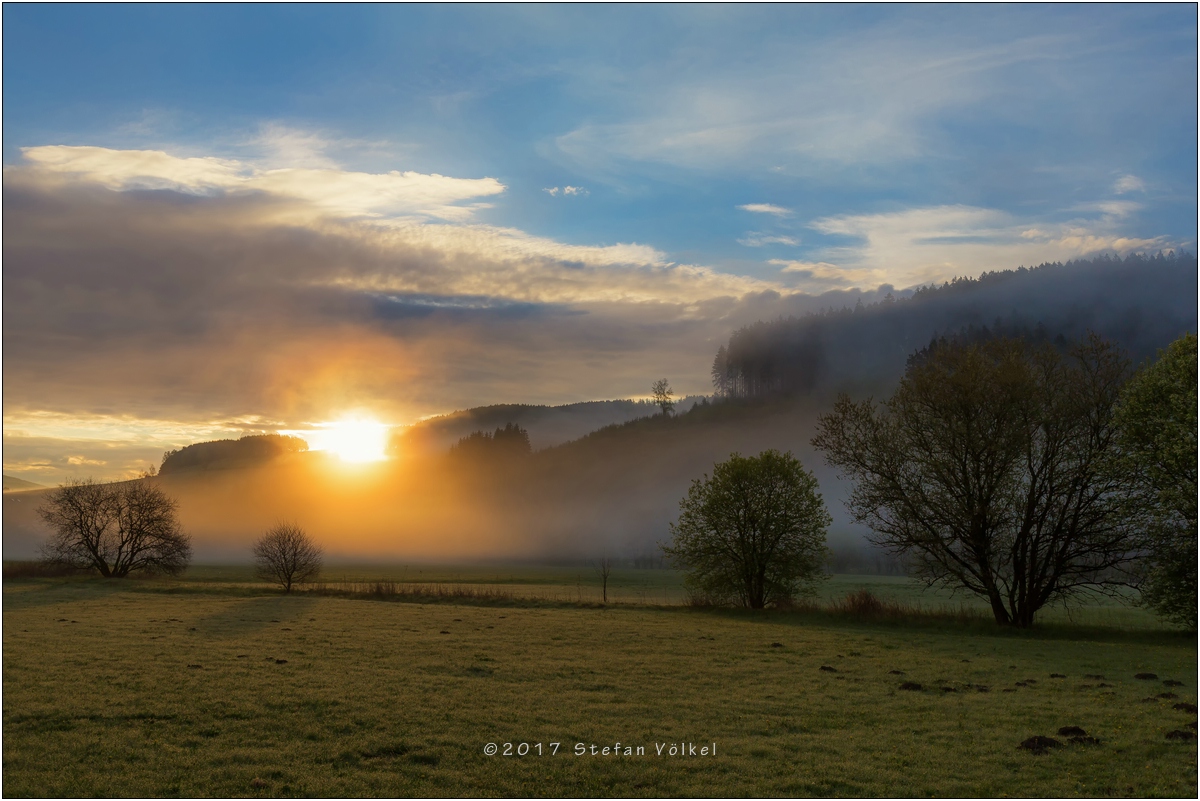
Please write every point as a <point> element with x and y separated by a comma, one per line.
<point>335,224</point>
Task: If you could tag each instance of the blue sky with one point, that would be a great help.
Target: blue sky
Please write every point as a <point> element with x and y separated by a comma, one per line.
<point>620,174</point>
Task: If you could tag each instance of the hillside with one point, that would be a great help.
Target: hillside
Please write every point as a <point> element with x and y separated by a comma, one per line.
<point>547,425</point>
<point>12,484</point>
<point>1141,302</point>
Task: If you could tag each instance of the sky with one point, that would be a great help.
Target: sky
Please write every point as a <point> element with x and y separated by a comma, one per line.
<point>230,219</point>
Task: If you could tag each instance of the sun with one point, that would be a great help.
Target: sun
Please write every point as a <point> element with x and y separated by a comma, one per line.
<point>354,439</point>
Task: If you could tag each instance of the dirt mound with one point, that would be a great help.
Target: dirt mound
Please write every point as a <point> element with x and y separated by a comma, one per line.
<point>1058,675</point>
<point>896,672</point>
<point>1095,676</point>
<point>1039,744</point>
<point>1183,706</point>
<point>1146,676</point>
<point>1084,741</point>
<point>829,669</point>
<point>776,645</point>
<point>910,685</point>
<point>1173,683</point>
<point>1180,734</point>
<point>1167,696</point>
<point>1072,731</point>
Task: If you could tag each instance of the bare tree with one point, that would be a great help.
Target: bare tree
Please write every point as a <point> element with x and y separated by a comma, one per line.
<point>663,393</point>
<point>115,528</point>
<point>287,556</point>
<point>604,570</point>
<point>988,467</point>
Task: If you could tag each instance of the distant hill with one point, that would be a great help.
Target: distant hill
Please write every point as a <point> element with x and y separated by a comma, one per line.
<point>547,425</point>
<point>225,454</point>
<point>11,483</point>
<point>1141,302</point>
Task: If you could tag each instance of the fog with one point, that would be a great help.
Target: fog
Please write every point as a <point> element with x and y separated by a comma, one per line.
<point>611,494</point>
<point>614,492</point>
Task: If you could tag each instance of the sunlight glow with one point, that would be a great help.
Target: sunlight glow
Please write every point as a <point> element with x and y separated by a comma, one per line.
<point>351,439</point>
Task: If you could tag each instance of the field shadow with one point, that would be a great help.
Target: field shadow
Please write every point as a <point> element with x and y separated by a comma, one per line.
<point>980,627</point>
<point>33,593</point>
<point>255,614</point>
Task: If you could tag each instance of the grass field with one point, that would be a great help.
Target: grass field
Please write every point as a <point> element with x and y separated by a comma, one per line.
<point>213,685</point>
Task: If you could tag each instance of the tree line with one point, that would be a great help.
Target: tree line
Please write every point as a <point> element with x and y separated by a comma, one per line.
<point>1141,301</point>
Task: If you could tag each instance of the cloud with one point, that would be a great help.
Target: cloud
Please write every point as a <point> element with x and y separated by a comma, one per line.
<point>932,244</point>
<point>766,208</point>
<point>565,191</point>
<point>329,191</point>
<point>756,239</point>
<point>291,148</point>
<point>1128,183</point>
<point>83,460</point>
<point>174,309</point>
<point>872,98</point>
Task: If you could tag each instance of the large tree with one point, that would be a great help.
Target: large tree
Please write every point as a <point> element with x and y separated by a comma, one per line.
<point>754,532</point>
<point>1157,436</point>
<point>988,468</point>
<point>115,528</point>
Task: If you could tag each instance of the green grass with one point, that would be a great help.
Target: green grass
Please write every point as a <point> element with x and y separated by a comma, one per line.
<point>374,699</point>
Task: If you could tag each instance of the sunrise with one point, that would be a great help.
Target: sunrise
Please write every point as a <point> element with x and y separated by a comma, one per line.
<point>486,399</point>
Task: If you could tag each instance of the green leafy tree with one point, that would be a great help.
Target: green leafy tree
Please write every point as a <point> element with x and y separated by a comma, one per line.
<point>753,533</point>
<point>1156,419</point>
<point>988,467</point>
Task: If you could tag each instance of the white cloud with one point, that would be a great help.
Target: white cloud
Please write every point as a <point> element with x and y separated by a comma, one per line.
<point>491,261</point>
<point>331,191</point>
<point>841,102</point>
<point>1129,183</point>
<point>395,213</point>
<point>554,191</point>
<point>757,239</point>
<point>934,244</point>
<point>289,147</point>
<point>823,275</point>
<point>766,208</point>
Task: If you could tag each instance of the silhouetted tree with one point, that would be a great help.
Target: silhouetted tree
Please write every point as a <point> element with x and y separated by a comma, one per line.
<point>115,528</point>
<point>989,467</point>
<point>286,555</point>
<point>662,394</point>
<point>511,440</point>
<point>1157,425</point>
<point>604,570</point>
<point>754,532</point>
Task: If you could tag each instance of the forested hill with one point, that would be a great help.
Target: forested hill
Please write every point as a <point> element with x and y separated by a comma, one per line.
<point>1141,302</point>
<point>547,425</point>
<point>225,454</point>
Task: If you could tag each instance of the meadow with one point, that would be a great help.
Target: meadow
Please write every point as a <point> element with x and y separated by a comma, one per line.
<point>216,685</point>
